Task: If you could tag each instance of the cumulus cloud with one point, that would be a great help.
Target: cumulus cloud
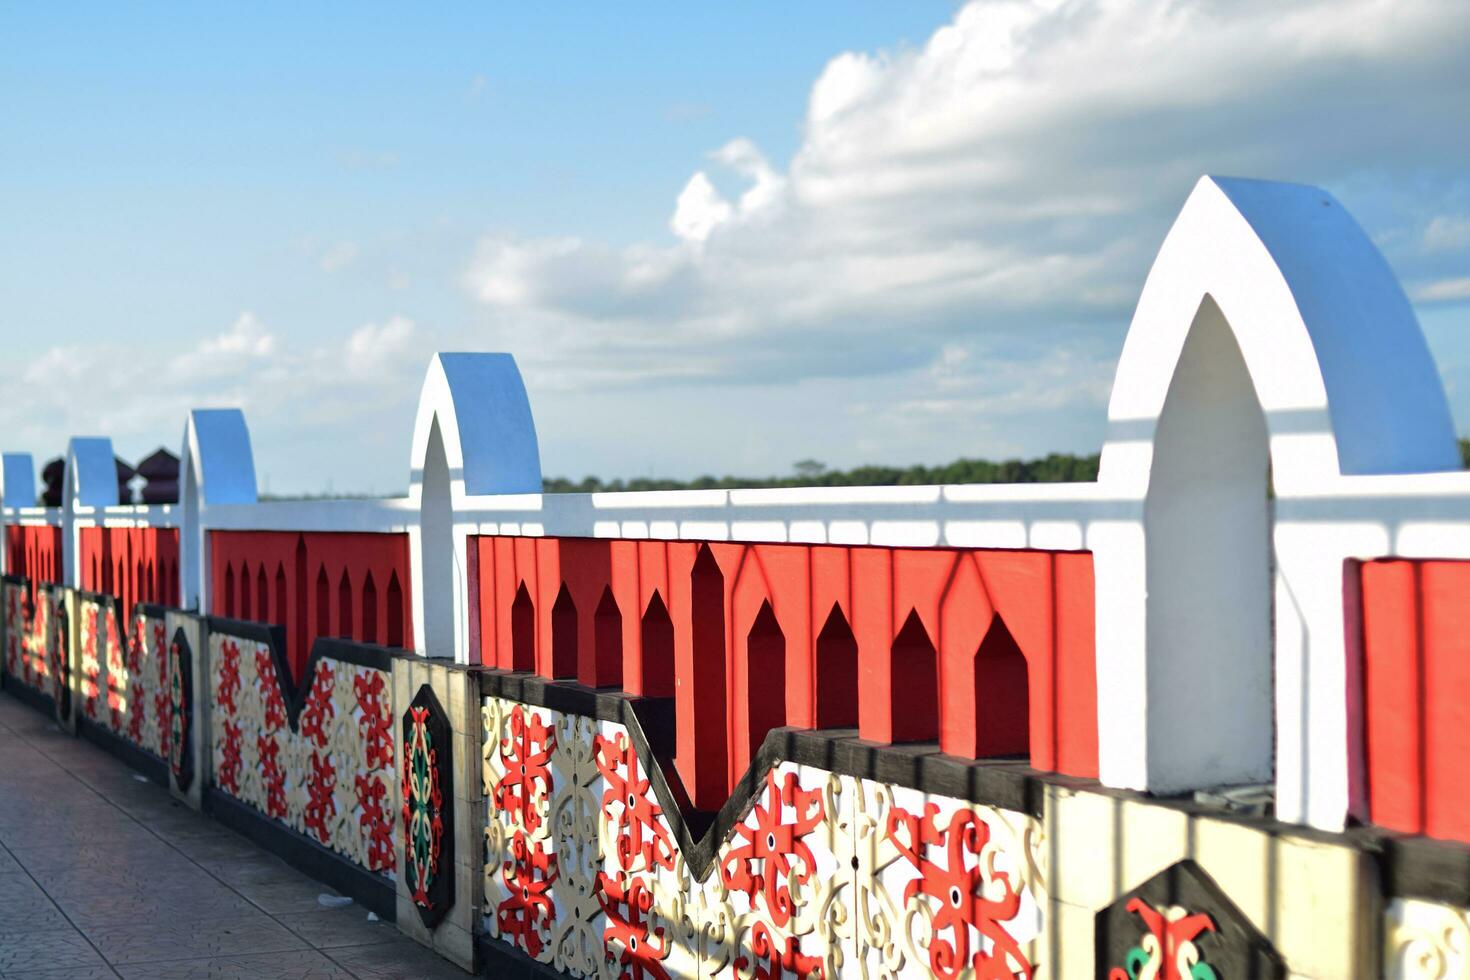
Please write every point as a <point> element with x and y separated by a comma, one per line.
<point>354,387</point>
<point>246,341</point>
<point>338,256</point>
<point>1015,172</point>
<point>1444,290</point>
<point>1447,233</point>
<point>376,351</point>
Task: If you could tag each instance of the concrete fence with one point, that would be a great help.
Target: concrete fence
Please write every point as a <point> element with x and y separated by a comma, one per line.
<point>891,731</point>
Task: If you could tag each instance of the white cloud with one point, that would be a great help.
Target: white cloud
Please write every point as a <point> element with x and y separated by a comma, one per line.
<point>699,210</point>
<point>1016,171</point>
<point>1447,233</point>
<point>1444,290</point>
<point>235,351</point>
<point>354,387</point>
<point>339,256</point>
<point>379,351</point>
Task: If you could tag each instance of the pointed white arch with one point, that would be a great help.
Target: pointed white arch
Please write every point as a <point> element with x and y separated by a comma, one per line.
<point>1335,353</point>
<point>216,466</point>
<point>473,435</point>
<point>1266,302</point>
<point>17,490</point>
<point>18,480</point>
<point>90,482</point>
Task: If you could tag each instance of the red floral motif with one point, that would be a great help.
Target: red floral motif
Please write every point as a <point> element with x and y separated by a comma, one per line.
<point>229,675</point>
<point>375,724</point>
<point>229,769</point>
<point>527,780</point>
<point>626,908</point>
<point>12,636</point>
<point>643,840</point>
<point>114,673</point>
<point>319,711</point>
<point>1173,932</point>
<point>773,961</point>
<point>136,703</point>
<point>135,646</point>
<point>321,804</point>
<point>90,666</point>
<point>774,855</point>
<point>529,875</point>
<point>962,898</point>
<point>270,689</point>
<point>160,655</point>
<point>163,712</point>
<point>371,794</point>
<point>272,775</point>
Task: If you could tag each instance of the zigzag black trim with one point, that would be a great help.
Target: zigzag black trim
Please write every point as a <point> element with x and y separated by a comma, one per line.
<point>294,691</point>
<point>1008,784</point>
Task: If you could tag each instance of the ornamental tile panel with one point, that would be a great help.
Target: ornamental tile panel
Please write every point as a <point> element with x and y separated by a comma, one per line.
<point>823,875</point>
<point>332,777</point>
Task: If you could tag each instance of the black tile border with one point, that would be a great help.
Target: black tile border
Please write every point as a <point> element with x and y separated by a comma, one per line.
<point>373,891</point>
<point>1009,785</point>
<point>294,691</point>
<point>27,695</point>
<point>1421,867</point>
<point>114,744</point>
<point>506,962</point>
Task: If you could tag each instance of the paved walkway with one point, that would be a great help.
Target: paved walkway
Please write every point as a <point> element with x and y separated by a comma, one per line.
<point>103,875</point>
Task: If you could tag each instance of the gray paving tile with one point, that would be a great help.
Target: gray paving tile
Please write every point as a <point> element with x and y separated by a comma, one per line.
<point>58,949</point>
<point>63,973</point>
<point>97,864</point>
<point>207,849</point>
<point>170,939</point>
<point>102,911</point>
<point>307,965</point>
<point>332,928</point>
<point>285,896</point>
<point>396,961</point>
<point>262,869</point>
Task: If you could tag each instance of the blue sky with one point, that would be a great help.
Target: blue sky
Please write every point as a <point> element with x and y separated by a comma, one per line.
<point>717,238</point>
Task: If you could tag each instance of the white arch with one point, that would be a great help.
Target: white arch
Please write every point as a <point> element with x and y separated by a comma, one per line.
<point>18,480</point>
<point>473,435</point>
<point>90,481</point>
<point>1332,345</point>
<point>216,466</point>
<point>1277,279</point>
<point>17,489</point>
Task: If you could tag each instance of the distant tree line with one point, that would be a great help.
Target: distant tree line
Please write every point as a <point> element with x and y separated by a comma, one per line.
<point>1052,468</point>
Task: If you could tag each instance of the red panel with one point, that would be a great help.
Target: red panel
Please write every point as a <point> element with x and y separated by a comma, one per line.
<point>1445,587</point>
<point>966,617</point>
<point>874,628</point>
<point>994,648</point>
<point>1392,676</point>
<point>1416,673</point>
<point>788,573</point>
<point>34,552</point>
<point>291,564</point>
<point>134,564</point>
<point>1075,715</point>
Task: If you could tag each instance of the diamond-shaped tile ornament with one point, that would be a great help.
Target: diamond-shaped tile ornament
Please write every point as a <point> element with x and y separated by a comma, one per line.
<point>181,711</point>
<point>1180,925</point>
<point>428,807</point>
